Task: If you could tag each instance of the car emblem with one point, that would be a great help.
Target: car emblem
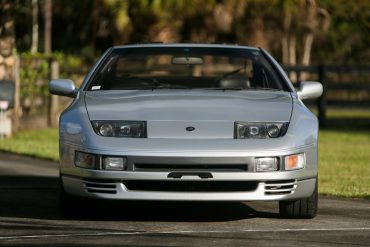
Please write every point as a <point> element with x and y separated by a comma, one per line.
<point>190,128</point>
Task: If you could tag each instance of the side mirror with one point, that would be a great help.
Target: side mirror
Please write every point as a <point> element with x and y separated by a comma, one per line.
<point>63,87</point>
<point>309,90</point>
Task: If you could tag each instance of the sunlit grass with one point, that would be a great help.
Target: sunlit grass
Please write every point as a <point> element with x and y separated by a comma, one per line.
<point>344,163</point>
<point>345,113</point>
<point>344,157</point>
<point>348,113</point>
<point>37,143</point>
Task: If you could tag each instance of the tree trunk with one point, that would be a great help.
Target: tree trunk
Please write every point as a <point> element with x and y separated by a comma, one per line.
<point>95,18</point>
<point>306,53</point>
<point>48,25</point>
<point>285,49</point>
<point>287,21</point>
<point>307,49</point>
<point>35,26</point>
<point>257,33</point>
<point>292,57</point>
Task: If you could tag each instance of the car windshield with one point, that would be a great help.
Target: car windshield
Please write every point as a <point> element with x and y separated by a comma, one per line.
<point>211,68</point>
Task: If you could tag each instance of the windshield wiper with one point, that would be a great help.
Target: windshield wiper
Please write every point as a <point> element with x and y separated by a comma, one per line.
<point>264,88</point>
<point>170,87</point>
<point>231,88</point>
<point>142,81</point>
<point>152,83</point>
<point>219,88</point>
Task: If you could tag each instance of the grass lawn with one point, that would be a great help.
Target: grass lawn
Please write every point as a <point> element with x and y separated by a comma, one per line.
<point>37,143</point>
<point>344,157</point>
<point>340,112</point>
<point>344,163</point>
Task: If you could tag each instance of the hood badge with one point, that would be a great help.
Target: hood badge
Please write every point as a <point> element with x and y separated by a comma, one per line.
<point>190,128</point>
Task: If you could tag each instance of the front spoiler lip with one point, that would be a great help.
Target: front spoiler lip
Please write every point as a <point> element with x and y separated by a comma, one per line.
<point>304,188</point>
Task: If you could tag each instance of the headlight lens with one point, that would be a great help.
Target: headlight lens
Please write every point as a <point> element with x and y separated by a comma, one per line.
<point>114,163</point>
<point>133,129</point>
<point>106,129</point>
<point>266,164</point>
<point>259,130</point>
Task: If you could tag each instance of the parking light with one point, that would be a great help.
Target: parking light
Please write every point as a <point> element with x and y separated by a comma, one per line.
<point>294,162</point>
<point>84,160</point>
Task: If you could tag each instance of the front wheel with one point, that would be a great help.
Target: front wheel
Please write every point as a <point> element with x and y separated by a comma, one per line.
<point>305,208</point>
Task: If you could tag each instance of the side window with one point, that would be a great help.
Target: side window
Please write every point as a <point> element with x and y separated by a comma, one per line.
<point>263,76</point>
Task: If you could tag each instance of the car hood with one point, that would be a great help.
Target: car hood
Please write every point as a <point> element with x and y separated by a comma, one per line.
<point>169,111</point>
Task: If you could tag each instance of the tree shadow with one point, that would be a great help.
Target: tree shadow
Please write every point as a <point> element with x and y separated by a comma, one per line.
<point>348,124</point>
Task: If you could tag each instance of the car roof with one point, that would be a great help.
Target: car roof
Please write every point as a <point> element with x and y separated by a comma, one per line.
<point>204,45</point>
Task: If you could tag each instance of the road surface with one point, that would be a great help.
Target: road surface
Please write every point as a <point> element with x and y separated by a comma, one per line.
<point>29,217</point>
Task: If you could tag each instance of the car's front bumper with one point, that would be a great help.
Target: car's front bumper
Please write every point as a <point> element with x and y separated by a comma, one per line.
<point>157,184</point>
<point>113,189</point>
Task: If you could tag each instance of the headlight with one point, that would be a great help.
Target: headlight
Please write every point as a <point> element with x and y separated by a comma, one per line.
<point>133,129</point>
<point>259,130</point>
<point>266,164</point>
<point>114,163</point>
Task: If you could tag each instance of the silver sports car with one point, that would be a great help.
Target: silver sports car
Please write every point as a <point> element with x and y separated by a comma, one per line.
<point>189,122</point>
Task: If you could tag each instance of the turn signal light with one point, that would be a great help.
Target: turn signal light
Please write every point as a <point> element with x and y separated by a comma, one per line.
<point>294,162</point>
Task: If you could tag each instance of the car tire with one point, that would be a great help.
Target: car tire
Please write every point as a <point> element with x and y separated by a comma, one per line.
<point>305,208</point>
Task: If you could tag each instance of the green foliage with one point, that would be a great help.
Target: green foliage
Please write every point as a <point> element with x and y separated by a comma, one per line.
<point>65,60</point>
<point>35,75</point>
<point>32,75</point>
<point>88,27</point>
<point>348,38</point>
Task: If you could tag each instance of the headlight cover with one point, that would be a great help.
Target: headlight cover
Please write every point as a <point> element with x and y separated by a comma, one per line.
<point>115,128</point>
<point>259,130</point>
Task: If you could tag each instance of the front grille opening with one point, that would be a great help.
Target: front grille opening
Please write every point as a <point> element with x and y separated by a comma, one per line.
<point>191,186</point>
<point>280,187</point>
<point>102,191</point>
<point>107,186</point>
<point>100,186</point>
<point>195,167</point>
<point>280,181</point>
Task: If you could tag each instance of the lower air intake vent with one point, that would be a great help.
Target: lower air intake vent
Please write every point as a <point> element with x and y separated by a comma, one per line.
<point>191,167</point>
<point>280,187</point>
<point>100,186</point>
<point>191,186</point>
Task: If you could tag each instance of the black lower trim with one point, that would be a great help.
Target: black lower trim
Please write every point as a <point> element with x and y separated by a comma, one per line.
<point>191,186</point>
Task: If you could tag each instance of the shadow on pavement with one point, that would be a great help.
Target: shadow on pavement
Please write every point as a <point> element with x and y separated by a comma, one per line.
<point>37,197</point>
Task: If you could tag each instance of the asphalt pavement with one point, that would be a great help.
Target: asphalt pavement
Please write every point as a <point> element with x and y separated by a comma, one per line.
<point>29,216</point>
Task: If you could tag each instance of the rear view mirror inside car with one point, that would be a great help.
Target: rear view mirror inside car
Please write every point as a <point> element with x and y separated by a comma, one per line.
<point>187,60</point>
